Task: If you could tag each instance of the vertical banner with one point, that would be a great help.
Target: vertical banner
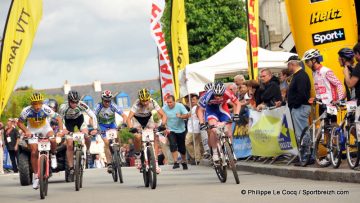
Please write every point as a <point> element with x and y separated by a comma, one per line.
<point>272,133</point>
<point>253,37</point>
<point>166,75</point>
<point>179,40</point>
<point>326,25</point>
<point>21,25</point>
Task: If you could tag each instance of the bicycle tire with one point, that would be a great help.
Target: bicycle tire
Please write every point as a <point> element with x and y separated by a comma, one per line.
<point>305,145</point>
<point>42,176</point>
<point>82,169</point>
<point>231,161</point>
<point>335,147</point>
<point>114,168</point>
<point>352,147</point>
<point>118,166</point>
<point>152,167</point>
<point>77,169</point>
<point>320,144</point>
<point>144,170</point>
<point>220,171</point>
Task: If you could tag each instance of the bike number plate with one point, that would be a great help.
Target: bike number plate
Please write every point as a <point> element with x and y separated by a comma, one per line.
<point>332,110</point>
<point>44,146</point>
<point>351,106</point>
<point>147,135</point>
<point>78,137</point>
<point>111,134</point>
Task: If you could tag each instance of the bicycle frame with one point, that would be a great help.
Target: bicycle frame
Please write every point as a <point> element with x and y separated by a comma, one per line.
<point>222,137</point>
<point>44,150</point>
<point>147,140</point>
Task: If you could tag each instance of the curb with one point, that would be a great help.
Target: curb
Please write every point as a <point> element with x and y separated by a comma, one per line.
<point>323,174</point>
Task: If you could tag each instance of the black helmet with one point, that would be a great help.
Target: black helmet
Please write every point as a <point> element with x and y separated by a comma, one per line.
<point>73,96</point>
<point>52,103</point>
<point>346,53</point>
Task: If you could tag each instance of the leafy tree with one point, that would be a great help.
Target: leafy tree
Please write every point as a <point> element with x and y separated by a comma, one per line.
<point>211,25</point>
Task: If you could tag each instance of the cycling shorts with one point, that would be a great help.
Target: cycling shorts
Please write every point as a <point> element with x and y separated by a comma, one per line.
<point>44,130</point>
<point>104,127</point>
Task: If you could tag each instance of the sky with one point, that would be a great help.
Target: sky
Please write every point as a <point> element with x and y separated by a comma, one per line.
<point>85,40</point>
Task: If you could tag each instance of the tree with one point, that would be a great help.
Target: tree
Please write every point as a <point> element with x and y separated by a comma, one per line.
<point>211,25</point>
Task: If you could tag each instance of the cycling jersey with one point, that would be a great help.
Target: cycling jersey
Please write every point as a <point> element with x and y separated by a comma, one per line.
<point>107,115</point>
<point>144,111</point>
<point>36,119</point>
<point>217,108</point>
<point>69,113</point>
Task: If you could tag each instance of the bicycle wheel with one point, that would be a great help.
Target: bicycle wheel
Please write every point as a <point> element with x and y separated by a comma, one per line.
<point>42,177</point>
<point>82,164</point>
<point>77,169</point>
<point>118,167</point>
<point>152,167</point>
<point>305,145</point>
<point>231,161</point>
<point>114,167</point>
<point>220,170</point>
<point>322,146</point>
<point>352,147</point>
<point>335,148</point>
<point>144,170</point>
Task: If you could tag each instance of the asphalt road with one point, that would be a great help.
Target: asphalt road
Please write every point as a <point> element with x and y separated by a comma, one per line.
<point>198,184</point>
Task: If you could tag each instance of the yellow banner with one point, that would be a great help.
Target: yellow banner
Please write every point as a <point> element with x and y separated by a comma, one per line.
<point>179,40</point>
<point>326,25</point>
<point>23,19</point>
<point>253,37</point>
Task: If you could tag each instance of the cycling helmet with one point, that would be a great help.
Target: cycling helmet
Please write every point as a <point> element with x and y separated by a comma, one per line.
<point>74,96</point>
<point>106,95</point>
<point>209,86</point>
<point>144,94</point>
<point>310,54</point>
<point>219,88</point>
<point>36,97</point>
<point>52,103</point>
<point>346,53</point>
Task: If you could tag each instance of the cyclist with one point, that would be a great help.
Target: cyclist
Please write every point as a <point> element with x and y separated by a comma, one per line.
<point>140,116</point>
<point>213,108</point>
<point>72,113</point>
<point>346,60</point>
<point>328,88</point>
<point>105,113</point>
<point>36,117</point>
<point>52,103</point>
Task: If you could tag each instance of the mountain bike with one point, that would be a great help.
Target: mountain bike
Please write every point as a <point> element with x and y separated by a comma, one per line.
<point>226,153</point>
<point>79,158</point>
<point>117,157</point>
<point>340,135</point>
<point>148,159</point>
<point>315,138</point>
<point>43,163</point>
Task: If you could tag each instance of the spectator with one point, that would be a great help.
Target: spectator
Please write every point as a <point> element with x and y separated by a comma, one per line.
<point>254,92</point>
<point>232,87</point>
<point>1,148</point>
<point>175,113</point>
<point>98,162</point>
<point>298,95</point>
<point>271,96</point>
<point>11,139</point>
<point>346,60</point>
<point>284,75</point>
<point>239,80</point>
<point>243,90</point>
<point>194,132</point>
<point>161,157</point>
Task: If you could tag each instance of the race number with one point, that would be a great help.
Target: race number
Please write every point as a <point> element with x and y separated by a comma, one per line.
<point>351,106</point>
<point>111,134</point>
<point>147,135</point>
<point>44,146</point>
<point>332,110</point>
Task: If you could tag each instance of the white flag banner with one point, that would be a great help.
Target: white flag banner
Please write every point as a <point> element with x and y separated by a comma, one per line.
<point>166,74</point>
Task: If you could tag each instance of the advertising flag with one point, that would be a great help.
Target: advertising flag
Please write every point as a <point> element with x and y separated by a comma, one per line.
<point>166,74</point>
<point>21,25</point>
<point>179,40</point>
<point>253,37</point>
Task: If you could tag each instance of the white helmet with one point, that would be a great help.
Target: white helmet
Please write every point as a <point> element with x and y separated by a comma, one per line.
<point>106,95</point>
<point>209,86</point>
<point>219,88</point>
<point>310,54</point>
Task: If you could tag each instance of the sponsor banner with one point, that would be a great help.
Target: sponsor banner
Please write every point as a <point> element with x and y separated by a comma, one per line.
<point>326,25</point>
<point>241,140</point>
<point>253,37</point>
<point>179,40</point>
<point>166,74</point>
<point>21,25</point>
<point>272,133</point>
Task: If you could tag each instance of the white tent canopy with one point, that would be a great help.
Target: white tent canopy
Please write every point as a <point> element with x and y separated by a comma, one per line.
<point>231,59</point>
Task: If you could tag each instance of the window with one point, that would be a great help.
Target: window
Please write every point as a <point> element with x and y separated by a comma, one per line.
<point>123,100</point>
<point>89,101</point>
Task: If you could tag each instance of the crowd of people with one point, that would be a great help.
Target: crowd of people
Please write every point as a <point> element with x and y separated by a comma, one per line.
<point>186,124</point>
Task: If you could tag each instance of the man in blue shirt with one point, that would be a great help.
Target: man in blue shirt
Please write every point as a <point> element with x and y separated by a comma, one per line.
<point>176,113</point>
